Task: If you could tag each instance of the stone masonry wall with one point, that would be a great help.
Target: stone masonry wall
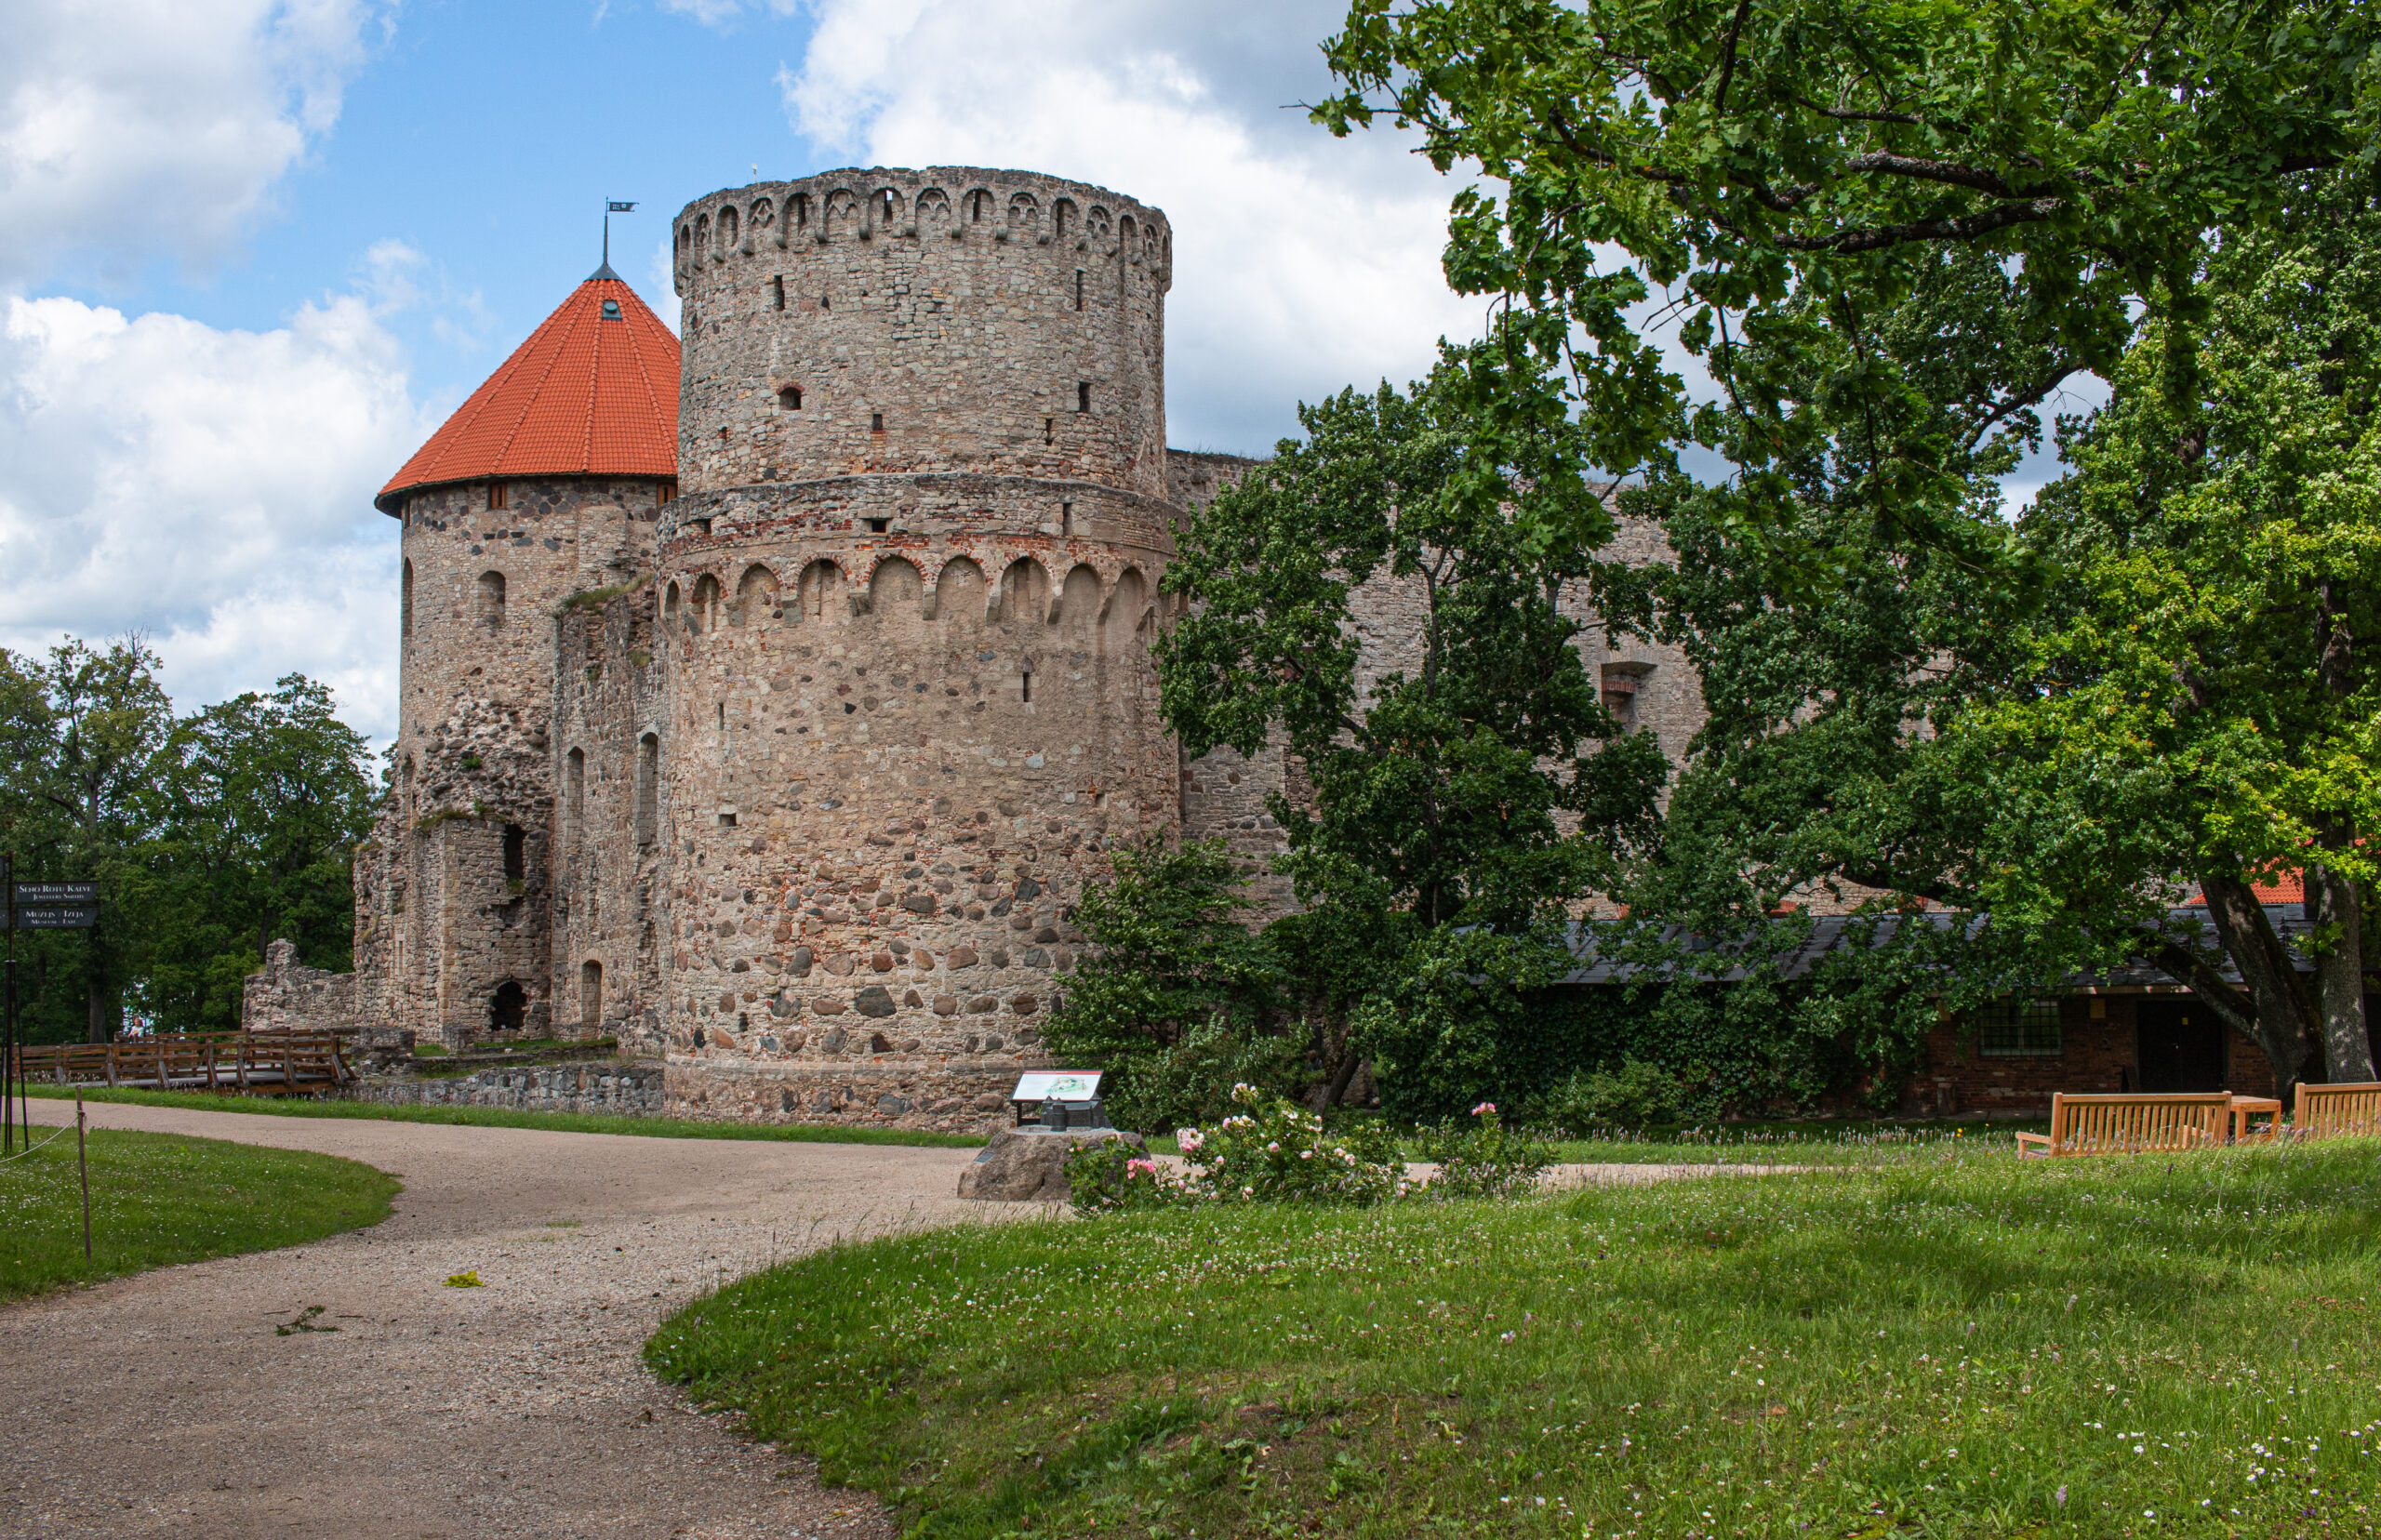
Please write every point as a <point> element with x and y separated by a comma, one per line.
<point>608,858</point>
<point>287,997</point>
<point>453,893</point>
<point>604,1085</point>
<point>949,319</point>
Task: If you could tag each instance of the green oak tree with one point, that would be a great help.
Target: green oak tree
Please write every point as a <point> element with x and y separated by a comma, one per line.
<point>1786,173</point>
<point>1465,802</point>
<point>259,804</point>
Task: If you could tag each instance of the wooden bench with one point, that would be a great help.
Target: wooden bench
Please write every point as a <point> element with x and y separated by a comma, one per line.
<point>2132,1124</point>
<point>2327,1109</point>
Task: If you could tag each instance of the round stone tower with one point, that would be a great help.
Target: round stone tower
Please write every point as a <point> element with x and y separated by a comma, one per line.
<point>547,482</point>
<point>907,598</point>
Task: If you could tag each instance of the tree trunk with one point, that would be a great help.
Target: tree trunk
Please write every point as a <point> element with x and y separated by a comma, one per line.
<point>2332,903</point>
<point>2286,1026</point>
<point>100,1028</point>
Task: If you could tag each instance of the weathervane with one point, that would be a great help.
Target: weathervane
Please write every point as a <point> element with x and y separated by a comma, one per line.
<point>610,208</point>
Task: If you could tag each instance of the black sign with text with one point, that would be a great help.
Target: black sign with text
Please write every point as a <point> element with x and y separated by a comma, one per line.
<point>56,917</point>
<point>58,893</point>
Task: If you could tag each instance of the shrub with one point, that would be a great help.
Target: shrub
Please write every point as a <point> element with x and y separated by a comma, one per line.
<point>1112,1176</point>
<point>1271,1151</point>
<point>1487,1160</point>
<point>1636,1095</point>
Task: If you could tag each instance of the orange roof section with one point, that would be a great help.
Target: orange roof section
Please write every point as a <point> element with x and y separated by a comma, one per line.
<point>587,394</point>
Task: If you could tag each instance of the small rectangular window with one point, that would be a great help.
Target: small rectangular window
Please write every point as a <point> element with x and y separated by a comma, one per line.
<point>727,821</point>
<point>789,399</point>
<point>1083,396</point>
<point>2018,1029</point>
<point>496,498</point>
<point>1066,518</point>
<point>876,422</point>
<point>1078,288</point>
<point>876,526</point>
<point>778,283</point>
<point>1025,687</point>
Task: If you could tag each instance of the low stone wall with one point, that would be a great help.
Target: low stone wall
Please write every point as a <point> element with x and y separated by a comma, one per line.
<point>600,1086</point>
<point>874,1094</point>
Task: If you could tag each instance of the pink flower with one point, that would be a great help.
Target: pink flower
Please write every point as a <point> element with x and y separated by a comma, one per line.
<point>1139,1168</point>
<point>1484,1107</point>
<point>1188,1140</point>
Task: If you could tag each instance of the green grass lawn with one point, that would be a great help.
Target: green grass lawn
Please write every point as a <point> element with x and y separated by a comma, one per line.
<point>497,1117</point>
<point>1961,1347</point>
<point>158,1199</point>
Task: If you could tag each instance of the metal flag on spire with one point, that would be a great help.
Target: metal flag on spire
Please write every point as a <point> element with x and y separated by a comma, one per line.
<point>611,206</point>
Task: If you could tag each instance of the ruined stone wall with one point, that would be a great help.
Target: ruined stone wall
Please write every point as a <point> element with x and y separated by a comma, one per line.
<point>608,858</point>
<point>453,896</point>
<point>287,997</point>
<point>953,319</point>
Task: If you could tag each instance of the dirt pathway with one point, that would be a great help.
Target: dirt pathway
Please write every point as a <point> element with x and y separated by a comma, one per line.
<point>165,1404</point>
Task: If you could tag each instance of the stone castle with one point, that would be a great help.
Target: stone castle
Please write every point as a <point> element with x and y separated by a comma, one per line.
<point>770,692</point>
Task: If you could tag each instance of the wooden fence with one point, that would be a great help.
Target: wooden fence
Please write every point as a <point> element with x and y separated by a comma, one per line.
<point>265,1063</point>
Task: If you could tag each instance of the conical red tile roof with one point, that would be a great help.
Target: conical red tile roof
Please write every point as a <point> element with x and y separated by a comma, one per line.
<point>583,397</point>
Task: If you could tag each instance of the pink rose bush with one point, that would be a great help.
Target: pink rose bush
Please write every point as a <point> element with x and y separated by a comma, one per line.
<point>1271,1151</point>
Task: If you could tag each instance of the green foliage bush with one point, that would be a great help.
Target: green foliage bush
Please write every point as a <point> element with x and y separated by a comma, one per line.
<point>1635,1096</point>
<point>1488,1158</point>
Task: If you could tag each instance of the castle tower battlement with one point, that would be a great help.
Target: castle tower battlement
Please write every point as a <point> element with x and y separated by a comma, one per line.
<point>905,604</point>
<point>901,322</point>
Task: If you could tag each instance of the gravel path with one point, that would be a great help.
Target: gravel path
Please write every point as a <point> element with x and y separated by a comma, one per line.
<point>164,1404</point>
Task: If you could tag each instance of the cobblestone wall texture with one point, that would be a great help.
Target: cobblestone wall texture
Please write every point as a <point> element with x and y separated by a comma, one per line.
<point>597,1086</point>
<point>288,997</point>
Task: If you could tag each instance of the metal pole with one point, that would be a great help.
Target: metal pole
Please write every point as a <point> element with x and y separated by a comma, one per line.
<point>8,1033</point>
<point>82,1158</point>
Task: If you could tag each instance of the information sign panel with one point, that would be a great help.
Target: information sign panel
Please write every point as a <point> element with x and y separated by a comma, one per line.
<point>58,893</point>
<point>56,917</point>
<point>1057,1085</point>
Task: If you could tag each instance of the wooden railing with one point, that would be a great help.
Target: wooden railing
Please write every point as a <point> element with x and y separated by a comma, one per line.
<point>265,1063</point>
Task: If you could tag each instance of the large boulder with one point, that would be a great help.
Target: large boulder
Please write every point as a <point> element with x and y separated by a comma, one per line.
<point>1026,1165</point>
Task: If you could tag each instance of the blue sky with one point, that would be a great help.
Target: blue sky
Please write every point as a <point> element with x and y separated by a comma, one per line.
<point>252,252</point>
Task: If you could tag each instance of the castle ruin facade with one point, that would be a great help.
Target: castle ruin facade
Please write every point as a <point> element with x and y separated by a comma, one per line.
<point>771,692</point>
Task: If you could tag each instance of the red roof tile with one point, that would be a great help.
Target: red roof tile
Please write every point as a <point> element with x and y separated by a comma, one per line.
<point>583,397</point>
<point>2288,887</point>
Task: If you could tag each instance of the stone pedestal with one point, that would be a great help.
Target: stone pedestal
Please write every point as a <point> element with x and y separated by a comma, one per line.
<point>1030,1165</point>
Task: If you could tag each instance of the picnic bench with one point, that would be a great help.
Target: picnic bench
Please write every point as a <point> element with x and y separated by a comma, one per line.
<point>2350,1108</point>
<point>263,1063</point>
<point>2134,1125</point>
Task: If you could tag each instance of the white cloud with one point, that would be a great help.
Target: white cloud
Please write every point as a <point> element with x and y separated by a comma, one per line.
<point>1302,263</point>
<point>210,487</point>
<point>133,129</point>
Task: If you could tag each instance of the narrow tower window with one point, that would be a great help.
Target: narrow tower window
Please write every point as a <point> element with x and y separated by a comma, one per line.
<point>1083,395</point>
<point>492,600</point>
<point>1066,518</point>
<point>1049,430</point>
<point>888,206</point>
<point>1025,686</point>
<point>516,852</point>
<point>496,494</point>
<point>574,801</point>
<point>789,399</point>
<point>404,601</point>
<point>648,788</point>
<point>876,422</point>
<point>1078,288</point>
<point>778,283</point>
<point>590,998</point>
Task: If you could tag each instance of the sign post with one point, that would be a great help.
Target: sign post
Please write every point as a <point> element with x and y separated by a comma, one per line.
<point>31,905</point>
